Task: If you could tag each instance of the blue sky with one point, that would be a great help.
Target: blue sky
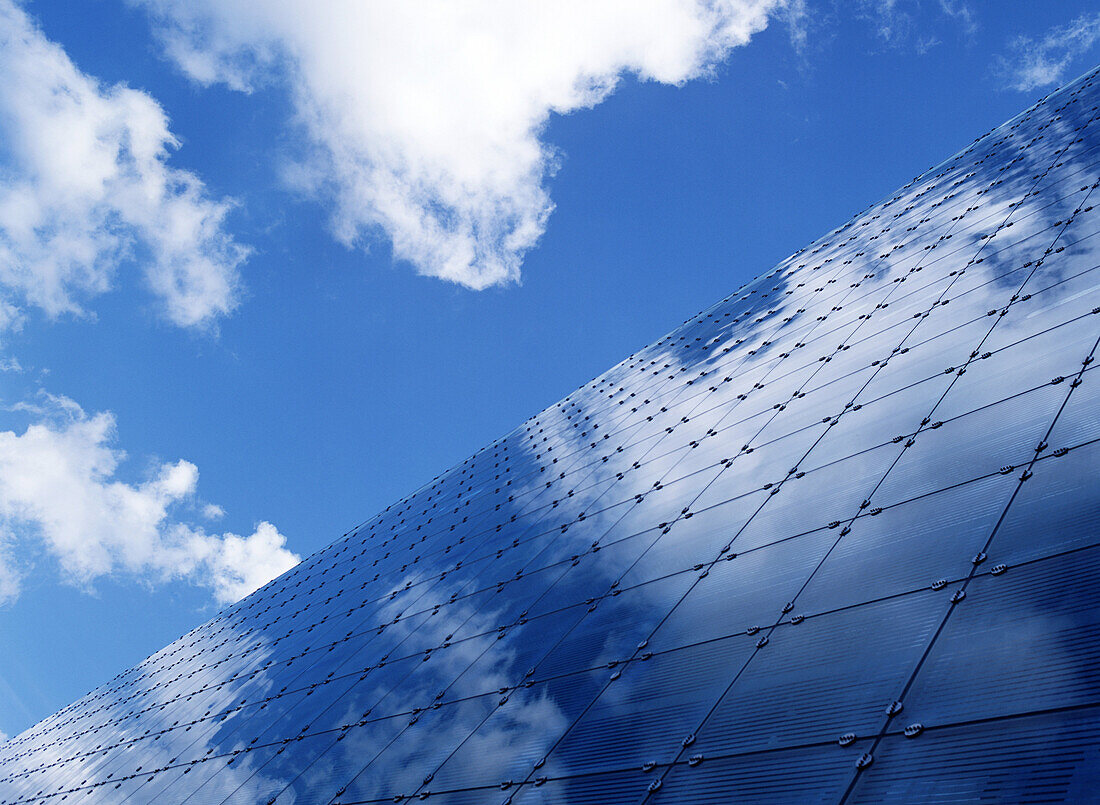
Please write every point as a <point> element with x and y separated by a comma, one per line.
<point>263,273</point>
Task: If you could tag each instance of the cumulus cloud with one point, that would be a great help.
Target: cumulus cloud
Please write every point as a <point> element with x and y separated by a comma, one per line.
<point>85,186</point>
<point>212,511</point>
<point>58,486</point>
<point>1036,63</point>
<point>424,119</point>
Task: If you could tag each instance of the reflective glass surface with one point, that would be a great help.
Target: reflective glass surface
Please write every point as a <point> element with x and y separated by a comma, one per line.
<point>834,539</point>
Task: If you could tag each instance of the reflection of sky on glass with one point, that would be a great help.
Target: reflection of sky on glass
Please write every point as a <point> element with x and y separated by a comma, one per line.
<point>861,478</point>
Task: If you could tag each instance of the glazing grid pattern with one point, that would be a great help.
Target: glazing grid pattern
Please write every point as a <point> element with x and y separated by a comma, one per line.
<point>831,540</point>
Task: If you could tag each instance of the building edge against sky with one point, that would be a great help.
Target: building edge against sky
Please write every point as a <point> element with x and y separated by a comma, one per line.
<point>832,539</point>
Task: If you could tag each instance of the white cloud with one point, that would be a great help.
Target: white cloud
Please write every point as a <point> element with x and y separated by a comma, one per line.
<point>892,24</point>
<point>909,24</point>
<point>84,187</point>
<point>9,575</point>
<point>424,118</point>
<point>798,18</point>
<point>962,14</point>
<point>925,45</point>
<point>1043,62</point>
<point>235,566</point>
<point>58,485</point>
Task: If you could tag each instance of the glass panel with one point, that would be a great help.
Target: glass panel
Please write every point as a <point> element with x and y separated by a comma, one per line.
<point>1025,640</point>
<point>1057,509</point>
<point>750,589</point>
<point>812,774</point>
<point>910,545</point>
<point>1047,758</point>
<point>587,789</point>
<point>859,658</point>
<point>972,445</point>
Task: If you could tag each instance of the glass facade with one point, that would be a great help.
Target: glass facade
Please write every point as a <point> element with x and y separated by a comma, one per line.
<point>834,539</point>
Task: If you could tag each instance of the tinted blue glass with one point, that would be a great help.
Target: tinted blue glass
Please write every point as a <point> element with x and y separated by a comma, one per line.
<point>834,539</point>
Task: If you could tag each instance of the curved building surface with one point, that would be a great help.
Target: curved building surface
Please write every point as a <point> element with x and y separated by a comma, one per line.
<point>832,540</point>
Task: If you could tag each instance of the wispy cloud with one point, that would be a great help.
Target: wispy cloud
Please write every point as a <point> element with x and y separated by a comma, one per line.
<point>796,13</point>
<point>891,21</point>
<point>59,489</point>
<point>925,45</point>
<point>424,119</point>
<point>906,23</point>
<point>1034,63</point>
<point>85,187</point>
<point>962,14</point>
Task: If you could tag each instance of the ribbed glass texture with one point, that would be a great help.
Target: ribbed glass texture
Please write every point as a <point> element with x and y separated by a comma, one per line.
<point>833,539</point>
